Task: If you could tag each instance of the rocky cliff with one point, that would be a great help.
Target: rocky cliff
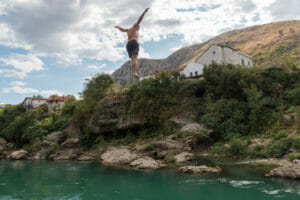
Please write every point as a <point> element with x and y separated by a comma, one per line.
<point>269,44</point>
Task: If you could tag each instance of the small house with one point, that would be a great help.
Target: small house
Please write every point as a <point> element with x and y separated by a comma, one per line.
<point>224,54</point>
<point>2,105</point>
<point>33,102</point>
<point>56,103</point>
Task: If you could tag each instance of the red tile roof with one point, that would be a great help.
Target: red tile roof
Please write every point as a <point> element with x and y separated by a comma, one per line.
<point>38,98</point>
<point>58,98</point>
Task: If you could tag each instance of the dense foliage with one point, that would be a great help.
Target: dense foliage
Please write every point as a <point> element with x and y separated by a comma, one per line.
<point>233,101</point>
<point>237,101</point>
<point>23,128</point>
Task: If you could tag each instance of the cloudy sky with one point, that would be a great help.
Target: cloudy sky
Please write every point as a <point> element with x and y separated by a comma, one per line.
<point>51,46</point>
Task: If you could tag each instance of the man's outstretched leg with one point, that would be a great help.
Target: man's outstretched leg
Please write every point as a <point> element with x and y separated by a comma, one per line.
<point>134,65</point>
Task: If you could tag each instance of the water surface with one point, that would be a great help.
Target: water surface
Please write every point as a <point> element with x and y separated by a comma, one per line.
<point>75,180</point>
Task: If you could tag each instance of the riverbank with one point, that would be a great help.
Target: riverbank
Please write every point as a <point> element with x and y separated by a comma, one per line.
<point>169,151</point>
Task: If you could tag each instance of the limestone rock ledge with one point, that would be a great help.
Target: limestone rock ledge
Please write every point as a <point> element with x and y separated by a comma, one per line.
<point>114,156</point>
<point>144,163</point>
<point>287,171</point>
<point>17,155</point>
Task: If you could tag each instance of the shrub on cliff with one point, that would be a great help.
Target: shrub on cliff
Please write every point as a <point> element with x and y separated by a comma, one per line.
<point>152,99</point>
<point>95,89</point>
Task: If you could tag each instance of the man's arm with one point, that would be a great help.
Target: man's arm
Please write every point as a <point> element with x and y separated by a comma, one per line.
<point>141,17</point>
<point>121,29</point>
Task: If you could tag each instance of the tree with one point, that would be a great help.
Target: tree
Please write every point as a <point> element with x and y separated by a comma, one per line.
<point>95,89</point>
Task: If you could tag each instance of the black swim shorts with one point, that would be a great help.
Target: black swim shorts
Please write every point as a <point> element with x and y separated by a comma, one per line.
<point>132,47</point>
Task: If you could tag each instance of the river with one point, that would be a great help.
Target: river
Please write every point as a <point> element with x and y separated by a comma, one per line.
<point>75,180</point>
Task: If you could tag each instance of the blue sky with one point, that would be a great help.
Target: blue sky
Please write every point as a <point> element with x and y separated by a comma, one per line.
<point>51,46</point>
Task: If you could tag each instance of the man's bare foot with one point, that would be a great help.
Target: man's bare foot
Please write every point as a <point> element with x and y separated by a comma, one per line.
<point>136,76</point>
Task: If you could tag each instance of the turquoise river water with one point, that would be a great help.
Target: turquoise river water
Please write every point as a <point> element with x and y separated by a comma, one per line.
<point>75,180</point>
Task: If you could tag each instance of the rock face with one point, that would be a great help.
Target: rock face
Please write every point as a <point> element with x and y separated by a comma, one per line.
<point>115,156</point>
<point>183,157</point>
<point>144,163</point>
<point>198,169</point>
<point>55,137</point>
<point>86,157</point>
<point>191,127</point>
<point>66,154</point>
<point>113,114</point>
<point>17,155</point>
<point>287,171</point>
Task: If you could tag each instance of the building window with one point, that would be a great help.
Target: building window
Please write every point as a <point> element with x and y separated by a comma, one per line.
<point>249,63</point>
<point>191,74</point>
<point>214,52</point>
<point>243,62</point>
<point>196,73</point>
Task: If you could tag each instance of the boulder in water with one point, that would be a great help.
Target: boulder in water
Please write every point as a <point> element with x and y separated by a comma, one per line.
<point>17,155</point>
<point>291,171</point>
<point>144,163</point>
<point>199,169</point>
<point>115,156</point>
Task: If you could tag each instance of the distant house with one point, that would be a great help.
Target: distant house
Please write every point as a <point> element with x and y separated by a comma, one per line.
<point>53,104</point>
<point>56,103</point>
<point>33,102</point>
<point>224,54</point>
<point>2,105</point>
<point>217,53</point>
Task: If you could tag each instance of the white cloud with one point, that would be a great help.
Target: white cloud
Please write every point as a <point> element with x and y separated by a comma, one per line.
<point>10,73</point>
<point>20,90</point>
<point>95,67</point>
<point>21,64</point>
<point>17,83</point>
<point>48,93</point>
<point>17,87</point>
<point>72,31</point>
<point>283,10</point>
<point>143,53</point>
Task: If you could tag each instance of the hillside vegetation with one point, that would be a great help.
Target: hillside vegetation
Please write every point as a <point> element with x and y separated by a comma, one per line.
<point>237,104</point>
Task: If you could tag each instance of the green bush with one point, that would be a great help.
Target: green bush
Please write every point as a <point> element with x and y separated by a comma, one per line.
<point>95,89</point>
<point>293,156</point>
<point>237,148</point>
<point>281,134</point>
<point>293,96</point>
<point>278,148</point>
<point>227,118</point>
<point>296,142</point>
<point>152,99</point>
<point>257,151</point>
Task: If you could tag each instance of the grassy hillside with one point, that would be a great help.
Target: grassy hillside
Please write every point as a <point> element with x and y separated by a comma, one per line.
<point>269,44</point>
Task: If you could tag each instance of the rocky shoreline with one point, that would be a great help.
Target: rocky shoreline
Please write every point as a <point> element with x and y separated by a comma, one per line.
<point>143,155</point>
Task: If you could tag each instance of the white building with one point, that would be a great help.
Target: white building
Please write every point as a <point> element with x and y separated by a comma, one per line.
<point>53,104</point>
<point>2,105</point>
<point>219,54</point>
<point>193,70</point>
<point>33,102</point>
<point>224,54</point>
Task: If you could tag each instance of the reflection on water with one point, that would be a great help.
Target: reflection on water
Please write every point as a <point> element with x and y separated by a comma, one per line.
<point>74,180</point>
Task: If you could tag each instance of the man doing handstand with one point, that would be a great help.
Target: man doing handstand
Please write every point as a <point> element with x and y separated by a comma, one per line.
<point>132,44</point>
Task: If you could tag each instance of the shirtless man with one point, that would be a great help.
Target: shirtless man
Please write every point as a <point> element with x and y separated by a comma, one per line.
<point>132,44</point>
